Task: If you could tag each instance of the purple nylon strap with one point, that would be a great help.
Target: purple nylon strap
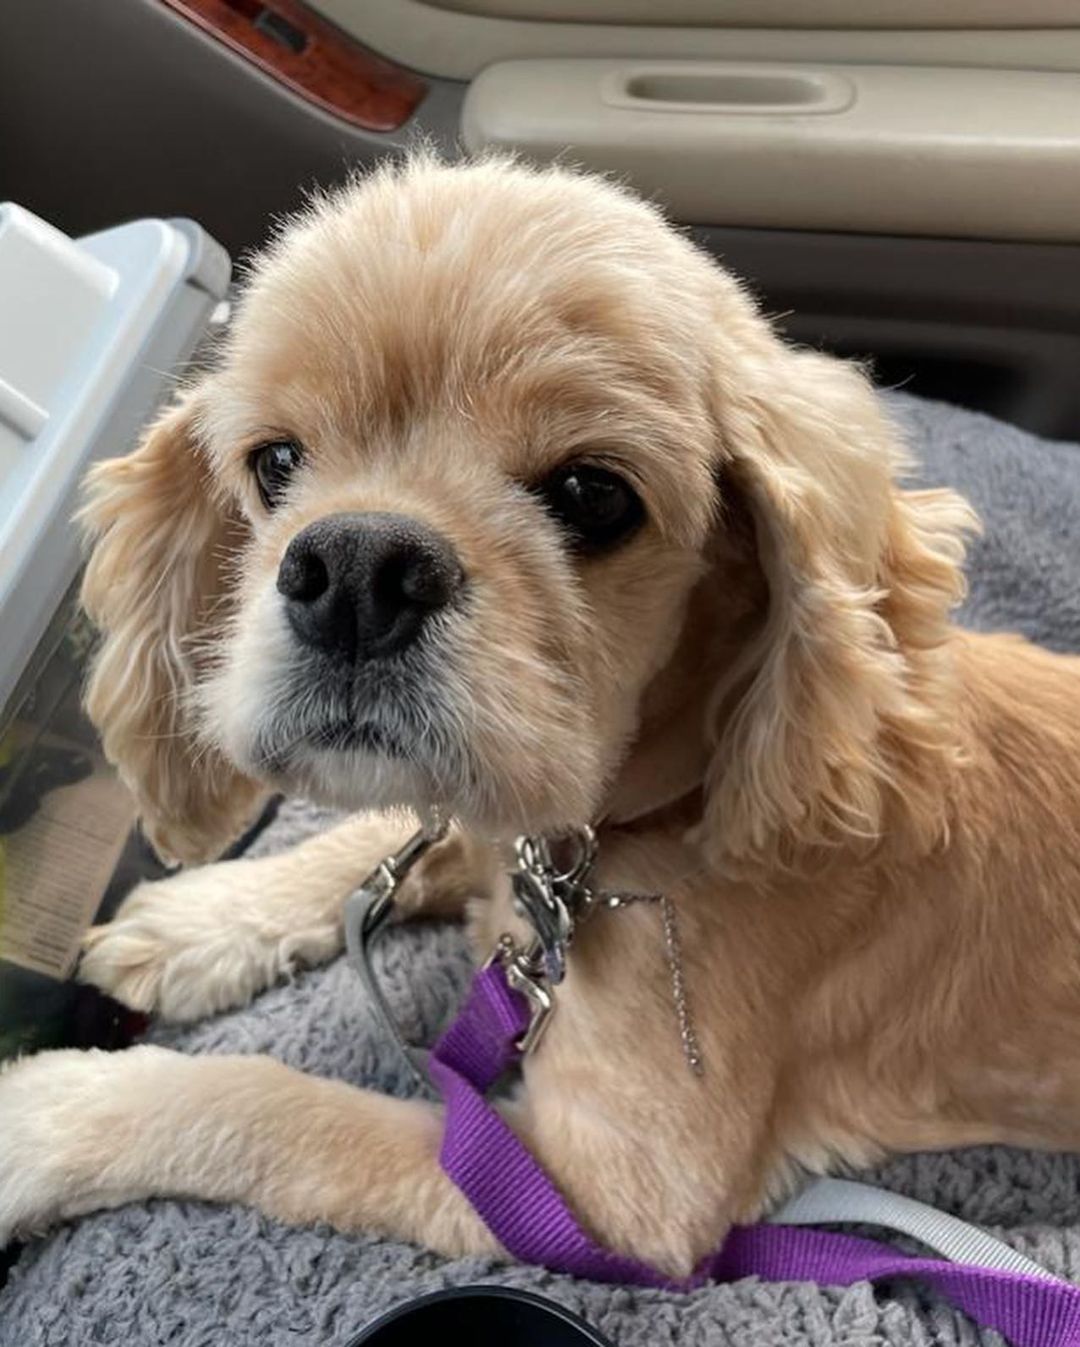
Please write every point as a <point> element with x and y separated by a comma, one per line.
<point>530,1218</point>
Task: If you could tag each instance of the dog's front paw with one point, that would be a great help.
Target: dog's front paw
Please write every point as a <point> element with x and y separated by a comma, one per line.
<point>199,943</point>
<point>63,1115</point>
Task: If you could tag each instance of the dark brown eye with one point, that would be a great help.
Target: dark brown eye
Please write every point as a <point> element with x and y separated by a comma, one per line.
<point>273,464</point>
<point>597,507</point>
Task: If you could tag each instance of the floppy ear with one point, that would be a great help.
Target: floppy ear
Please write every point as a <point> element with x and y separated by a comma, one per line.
<point>155,586</point>
<point>840,723</point>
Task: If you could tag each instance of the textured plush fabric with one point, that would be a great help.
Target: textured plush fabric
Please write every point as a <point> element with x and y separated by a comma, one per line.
<point>189,1274</point>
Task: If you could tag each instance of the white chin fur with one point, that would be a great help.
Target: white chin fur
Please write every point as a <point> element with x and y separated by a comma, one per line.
<point>357,780</point>
<point>250,702</point>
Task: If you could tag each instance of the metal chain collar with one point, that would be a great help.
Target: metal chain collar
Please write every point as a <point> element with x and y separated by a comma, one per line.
<point>554,902</point>
<point>553,896</point>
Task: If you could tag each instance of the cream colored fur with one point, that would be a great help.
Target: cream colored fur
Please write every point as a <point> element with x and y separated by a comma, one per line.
<point>865,818</point>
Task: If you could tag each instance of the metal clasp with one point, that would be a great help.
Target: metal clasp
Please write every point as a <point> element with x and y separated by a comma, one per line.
<point>367,910</point>
<point>383,882</point>
<point>525,974</point>
<point>551,900</point>
<point>541,1005</point>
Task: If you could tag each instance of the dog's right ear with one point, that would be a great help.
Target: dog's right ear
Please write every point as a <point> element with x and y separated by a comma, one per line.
<point>157,586</point>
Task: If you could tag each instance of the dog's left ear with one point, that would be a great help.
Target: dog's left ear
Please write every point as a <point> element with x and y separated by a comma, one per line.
<point>845,705</point>
<point>157,586</point>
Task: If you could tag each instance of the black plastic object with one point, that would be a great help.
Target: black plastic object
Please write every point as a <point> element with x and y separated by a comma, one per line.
<point>482,1316</point>
<point>270,22</point>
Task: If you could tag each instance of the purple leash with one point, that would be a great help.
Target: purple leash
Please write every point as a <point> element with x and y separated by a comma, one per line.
<point>530,1218</point>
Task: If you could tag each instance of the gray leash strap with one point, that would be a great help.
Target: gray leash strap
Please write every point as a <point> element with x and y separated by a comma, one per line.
<point>367,913</point>
<point>843,1201</point>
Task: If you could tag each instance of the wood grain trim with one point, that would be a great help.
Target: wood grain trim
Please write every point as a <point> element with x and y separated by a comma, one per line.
<point>330,69</point>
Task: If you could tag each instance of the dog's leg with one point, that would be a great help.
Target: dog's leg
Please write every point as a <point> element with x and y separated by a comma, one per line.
<point>81,1131</point>
<point>210,938</point>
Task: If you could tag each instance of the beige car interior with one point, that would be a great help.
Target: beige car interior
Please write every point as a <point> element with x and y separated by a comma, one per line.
<point>898,179</point>
<point>732,118</point>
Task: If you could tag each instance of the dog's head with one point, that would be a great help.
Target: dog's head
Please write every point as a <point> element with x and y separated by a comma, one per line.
<point>504,497</point>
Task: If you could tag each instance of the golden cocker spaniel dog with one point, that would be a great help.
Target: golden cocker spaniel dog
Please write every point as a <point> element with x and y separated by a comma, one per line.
<point>505,499</point>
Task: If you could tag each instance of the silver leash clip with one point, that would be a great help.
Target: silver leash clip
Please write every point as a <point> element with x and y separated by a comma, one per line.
<point>383,882</point>
<point>525,975</point>
<point>552,900</point>
<point>366,914</point>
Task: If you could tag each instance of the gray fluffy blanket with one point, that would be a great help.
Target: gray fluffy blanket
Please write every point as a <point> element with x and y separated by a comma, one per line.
<point>189,1274</point>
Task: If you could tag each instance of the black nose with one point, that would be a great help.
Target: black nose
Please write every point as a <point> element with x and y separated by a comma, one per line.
<point>361,585</point>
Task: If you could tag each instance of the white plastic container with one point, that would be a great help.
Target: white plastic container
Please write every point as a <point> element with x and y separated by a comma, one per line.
<point>93,333</point>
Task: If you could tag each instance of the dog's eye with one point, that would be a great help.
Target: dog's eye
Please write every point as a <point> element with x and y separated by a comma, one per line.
<point>273,464</point>
<point>598,507</point>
